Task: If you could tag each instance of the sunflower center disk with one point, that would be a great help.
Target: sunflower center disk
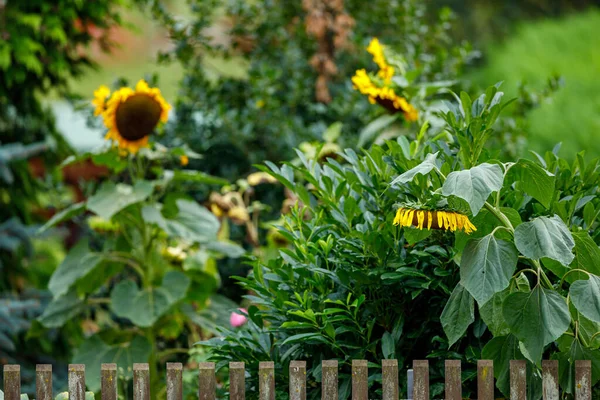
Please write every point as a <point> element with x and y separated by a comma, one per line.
<point>137,117</point>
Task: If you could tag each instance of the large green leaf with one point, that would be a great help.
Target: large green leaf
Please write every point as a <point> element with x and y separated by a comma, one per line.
<point>474,185</point>
<point>501,350</point>
<point>424,168</point>
<point>112,198</point>
<point>566,363</point>
<point>458,314</point>
<point>536,318</point>
<point>66,214</point>
<point>62,309</point>
<point>486,266</point>
<point>145,307</point>
<point>192,222</point>
<point>587,255</point>
<point>585,295</point>
<point>93,352</point>
<point>534,180</point>
<point>491,313</point>
<point>545,237</point>
<point>77,264</point>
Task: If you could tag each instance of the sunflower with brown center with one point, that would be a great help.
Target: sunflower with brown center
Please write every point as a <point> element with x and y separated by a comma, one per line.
<point>425,219</point>
<point>131,116</point>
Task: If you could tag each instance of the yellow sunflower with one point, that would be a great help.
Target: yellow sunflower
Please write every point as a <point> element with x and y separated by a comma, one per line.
<point>99,101</point>
<point>386,71</point>
<point>421,219</point>
<point>132,115</point>
<point>384,96</point>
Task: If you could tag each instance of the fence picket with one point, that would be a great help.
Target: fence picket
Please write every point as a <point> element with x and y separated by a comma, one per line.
<point>360,386</point>
<point>266,380</point>
<point>518,380</point>
<point>420,380</point>
<point>550,380</point>
<point>76,382</point>
<point>298,380</point>
<point>237,381</point>
<point>141,381</point>
<point>329,380</point>
<point>108,381</point>
<point>208,381</point>
<point>389,378</point>
<point>583,380</point>
<point>174,381</point>
<point>43,382</point>
<point>12,382</point>
<point>485,380</point>
<point>453,383</point>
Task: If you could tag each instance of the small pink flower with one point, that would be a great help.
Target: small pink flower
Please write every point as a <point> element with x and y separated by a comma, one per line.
<point>236,320</point>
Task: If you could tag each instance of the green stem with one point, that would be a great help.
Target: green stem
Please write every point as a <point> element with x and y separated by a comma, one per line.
<point>135,266</point>
<point>573,270</point>
<point>98,301</point>
<point>498,214</point>
<point>542,275</point>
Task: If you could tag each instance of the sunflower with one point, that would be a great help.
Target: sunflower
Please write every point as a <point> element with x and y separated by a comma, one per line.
<point>421,219</point>
<point>132,115</point>
<point>384,96</point>
<point>99,101</point>
<point>386,71</point>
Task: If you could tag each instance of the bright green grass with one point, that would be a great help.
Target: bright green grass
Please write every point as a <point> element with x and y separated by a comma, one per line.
<point>571,48</point>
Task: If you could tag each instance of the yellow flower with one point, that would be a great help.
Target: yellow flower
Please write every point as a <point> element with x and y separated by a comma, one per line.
<point>386,71</point>
<point>384,96</point>
<point>257,178</point>
<point>99,101</point>
<point>131,116</point>
<point>424,219</point>
<point>184,160</point>
<point>238,215</point>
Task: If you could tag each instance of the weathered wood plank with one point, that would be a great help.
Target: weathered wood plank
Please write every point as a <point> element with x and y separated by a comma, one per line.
<point>108,381</point>
<point>485,380</point>
<point>12,382</point>
<point>518,380</point>
<point>453,382</point>
<point>550,380</point>
<point>76,382</point>
<point>583,380</point>
<point>298,380</point>
<point>420,380</point>
<point>329,380</point>
<point>174,381</point>
<point>360,388</point>
<point>43,382</point>
<point>208,381</point>
<point>237,381</point>
<point>141,381</point>
<point>266,380</point>
<point>389,379</point>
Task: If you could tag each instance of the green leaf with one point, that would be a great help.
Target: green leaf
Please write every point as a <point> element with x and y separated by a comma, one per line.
<point>486,266</point>
<point>112,198</point>
<point>545,237</point>
<point>61,310</point>
<point>370,132</point>
<point>566,363</point>
<point>534,180</point>
<point>458,314</point>
<point>145,307</point>
<point>333,132</point>
<point>66,214</point>
<point>77,264</point>
<point>474,185</point>
<point>536,318</point>
<point>186,175</point>
<point>413,235</point>
<point>424,168</point>
<point>585,295</point>
<point>192,222</point>
<point>491,313</point>
<point>388,347</point>
<point>93,352</point>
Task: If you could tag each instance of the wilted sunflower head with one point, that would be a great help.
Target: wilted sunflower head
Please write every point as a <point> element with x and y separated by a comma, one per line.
<point>131,115</point>
<point>439,219</point>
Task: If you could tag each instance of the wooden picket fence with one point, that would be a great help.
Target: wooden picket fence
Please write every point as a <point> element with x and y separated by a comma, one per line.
<point>297,376</point>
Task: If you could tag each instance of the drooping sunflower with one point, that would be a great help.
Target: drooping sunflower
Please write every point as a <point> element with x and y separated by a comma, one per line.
<point>132,115</point>
<point>380,89</point>
<point>426,219</point>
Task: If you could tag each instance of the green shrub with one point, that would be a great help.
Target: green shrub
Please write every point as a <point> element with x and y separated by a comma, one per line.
<point>354,286</point>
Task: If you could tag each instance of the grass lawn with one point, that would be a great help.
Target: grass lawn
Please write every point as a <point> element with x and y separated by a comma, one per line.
<point>570,47</point>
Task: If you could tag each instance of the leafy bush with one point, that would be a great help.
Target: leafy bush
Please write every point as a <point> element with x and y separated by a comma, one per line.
<point>354,286</point>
